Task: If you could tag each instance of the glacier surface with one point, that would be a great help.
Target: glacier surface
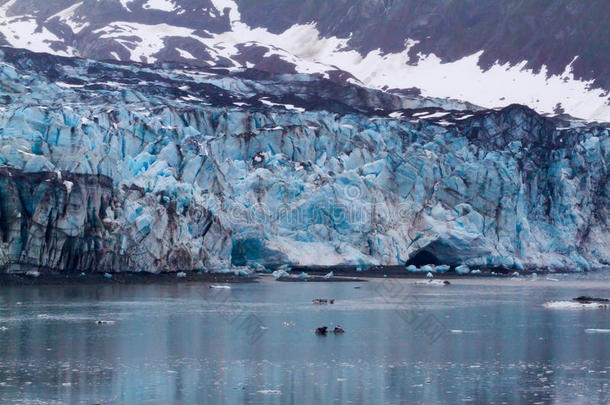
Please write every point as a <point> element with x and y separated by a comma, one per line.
<point>124,167</point>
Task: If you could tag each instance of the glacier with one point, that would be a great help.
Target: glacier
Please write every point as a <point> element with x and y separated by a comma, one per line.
<point>113,167</point>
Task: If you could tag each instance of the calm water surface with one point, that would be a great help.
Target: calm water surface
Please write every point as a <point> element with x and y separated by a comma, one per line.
<point>475,341</point>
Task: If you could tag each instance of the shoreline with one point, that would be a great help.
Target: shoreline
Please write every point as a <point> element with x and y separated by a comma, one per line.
<point>315,273</point>
<point>399,271</point>
<point>9,280</point>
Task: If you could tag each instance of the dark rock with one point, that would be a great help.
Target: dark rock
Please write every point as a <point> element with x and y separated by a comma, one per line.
<point>587,300</point>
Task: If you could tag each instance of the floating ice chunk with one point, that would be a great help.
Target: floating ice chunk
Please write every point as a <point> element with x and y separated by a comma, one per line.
<point>181,274</point>
<point>221,287</point>
<point>475,271</point>
<point>104,322</point>
<point>280,273</point>
<point>412,268</point>
<point>574,305</point>
<point>33,273</point>
<point>462,269</point>
<point>259,268</point>
<point>429,275</point>
<point>442,268</point>
<point>597,330</point>
<point>329,275</point>
<point>438,283</point>
<point>242,271</point>
<point>303,276</point>
<point>107,275</point>
<point>270,392</point>
<point>427,268</point>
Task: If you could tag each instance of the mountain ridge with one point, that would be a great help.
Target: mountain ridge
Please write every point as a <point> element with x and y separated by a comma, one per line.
<point>486,53</point>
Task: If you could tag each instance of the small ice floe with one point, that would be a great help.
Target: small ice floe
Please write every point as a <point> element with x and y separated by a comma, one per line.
<point>597,330</point>
<point>33,273</point>
<point>456,331</point>
<point>475,271</point>
<point>107,275</point>
<point>442,268</point>
<point>284,274</point>
<point>429,275</point>
<point>288,324</point>
<point>427,268</point>
<point>433,282</point>
<point>280,273</point>
<point>329,275</point>
<point>221,287</point>
<point>181,274</point>
<point>3,328</point>
<point>462,269</point>
<point>104,322</point>
<point>574,305</point>
<point>269,392</point>
<point>259,268</point>
<point>323,301</point>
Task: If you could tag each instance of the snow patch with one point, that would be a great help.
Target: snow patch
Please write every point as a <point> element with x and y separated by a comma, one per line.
<point>162,5</point>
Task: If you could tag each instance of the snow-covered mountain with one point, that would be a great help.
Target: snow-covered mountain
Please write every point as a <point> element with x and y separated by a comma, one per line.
<point>130,167</point>
<point>550,55</point>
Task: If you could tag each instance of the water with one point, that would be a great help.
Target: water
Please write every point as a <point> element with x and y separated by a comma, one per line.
<point>475,341</point>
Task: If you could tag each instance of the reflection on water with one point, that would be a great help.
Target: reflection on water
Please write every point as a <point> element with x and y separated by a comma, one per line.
<point>187,343</point>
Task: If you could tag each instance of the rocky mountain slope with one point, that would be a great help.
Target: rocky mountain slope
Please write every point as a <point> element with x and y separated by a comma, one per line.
<point>550,55</point>
<point>128,167</point>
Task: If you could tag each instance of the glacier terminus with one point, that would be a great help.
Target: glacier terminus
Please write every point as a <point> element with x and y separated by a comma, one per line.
<point>115,167</point>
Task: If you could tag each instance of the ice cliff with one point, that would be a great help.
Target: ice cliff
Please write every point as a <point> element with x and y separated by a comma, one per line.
<point>126,167</point>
